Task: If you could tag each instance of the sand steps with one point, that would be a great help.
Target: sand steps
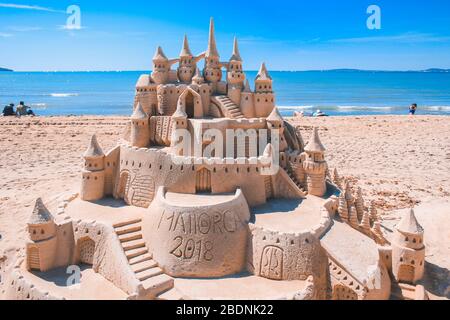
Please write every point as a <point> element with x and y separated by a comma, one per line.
<point>294,179</point>
<point>228,107</point>
<point>171,295</point>
<point>146,270</point>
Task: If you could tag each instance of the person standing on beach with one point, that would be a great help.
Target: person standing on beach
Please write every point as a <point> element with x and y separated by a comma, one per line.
<point>413,109</point>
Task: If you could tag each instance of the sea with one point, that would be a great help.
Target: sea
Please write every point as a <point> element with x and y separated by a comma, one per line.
<point>335,93</point>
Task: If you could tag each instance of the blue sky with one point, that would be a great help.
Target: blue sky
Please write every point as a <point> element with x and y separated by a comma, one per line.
<point>287,35</point>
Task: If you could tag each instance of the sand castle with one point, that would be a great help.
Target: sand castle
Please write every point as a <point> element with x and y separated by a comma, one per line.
<point>171,213</point>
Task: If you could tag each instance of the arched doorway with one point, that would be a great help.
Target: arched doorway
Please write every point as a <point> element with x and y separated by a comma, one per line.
<point>190,102</point>
<point>86,249</point>
<point>406,274</point>
<point>203,181</point>
<point>34,262</point>
<point>190,105</point>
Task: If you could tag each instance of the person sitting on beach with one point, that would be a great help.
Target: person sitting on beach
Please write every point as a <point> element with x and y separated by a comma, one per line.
<point>23,110</point>
<point>8,111</point>
<point>413,109</point>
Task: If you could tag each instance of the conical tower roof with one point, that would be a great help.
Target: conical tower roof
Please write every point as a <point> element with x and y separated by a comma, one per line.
<point>185,51</point>
<point>236,56</point>
<point>94,150</point>
<point>247,88</point>
<point>139,113</point>
<point>40,214</point>
<point>275,116</point>
<point>179,114</point>
<point>314,144</point>
<point>409,224</point>
<point>159,55</point>
<point>212,47</point>
<point>198,75</point>
<point>263,74</point>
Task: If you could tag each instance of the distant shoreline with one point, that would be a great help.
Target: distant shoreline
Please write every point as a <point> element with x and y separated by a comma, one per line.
<point>431,70</point>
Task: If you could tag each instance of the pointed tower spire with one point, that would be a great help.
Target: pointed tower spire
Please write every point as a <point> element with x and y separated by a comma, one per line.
<point>359,203</point>
<point>159,55</point>
<point>94,150</point>
<point>247,87</point>
<point>336,178</point>
<point>236,56</point>
<point>263,74</point>
<point>198,78</point>
<point>185,51</point>
<point>314,144</point>
<point>212,47</point>
<point>409,224</point>
<point>365,223</point>
<point>353,216</point>
<point>40,214</point>
<point>373,212</point>
<point>139,113</point>
<point>343,208</point>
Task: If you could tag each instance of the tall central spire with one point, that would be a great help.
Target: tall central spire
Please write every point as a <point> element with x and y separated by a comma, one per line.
<point>212,48</point>
<point>236,55</point>
<point>185,51</point>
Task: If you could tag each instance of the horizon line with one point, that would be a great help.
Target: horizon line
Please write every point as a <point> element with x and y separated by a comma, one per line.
<point>430,70</point>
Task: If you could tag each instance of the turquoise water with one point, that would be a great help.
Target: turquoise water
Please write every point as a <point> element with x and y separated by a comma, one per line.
<point>334,92</point>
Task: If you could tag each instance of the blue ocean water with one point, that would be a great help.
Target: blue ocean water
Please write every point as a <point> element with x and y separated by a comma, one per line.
<point>334,92</point>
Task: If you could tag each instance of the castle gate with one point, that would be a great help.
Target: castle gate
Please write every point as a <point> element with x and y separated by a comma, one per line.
<point>87,249</point>
<point>203,181</point>
<point>34,262</point>
<point>406,274</point>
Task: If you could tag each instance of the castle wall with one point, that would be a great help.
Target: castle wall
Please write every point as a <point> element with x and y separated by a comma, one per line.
<point>264,104</point>
<point>286,257</point>
<point>92,185</point>
<point>65,247</point>
<point>19,288</point>
<point>111,165</point>
<point>144,170</point>
<point>160,130</point>
<point>247,105</point>
<point>146,95</point>
<point>108,257</point>
<point>234,93</point>
<point>205,91</point>
<point>45,250</point>
<point>168,95</point>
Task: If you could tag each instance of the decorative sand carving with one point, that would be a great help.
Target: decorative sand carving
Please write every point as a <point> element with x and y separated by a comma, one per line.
<point>157,223</point>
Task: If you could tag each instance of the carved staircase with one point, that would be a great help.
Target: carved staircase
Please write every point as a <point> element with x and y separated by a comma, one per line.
<point>291,175</point>
<point>151,277</point>
<point>228,107</point>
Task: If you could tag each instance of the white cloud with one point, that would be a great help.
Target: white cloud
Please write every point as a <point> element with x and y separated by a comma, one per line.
<point>5,35</point>
<point>409,37</point>
<point>23,28</point>
<point>28,7</point>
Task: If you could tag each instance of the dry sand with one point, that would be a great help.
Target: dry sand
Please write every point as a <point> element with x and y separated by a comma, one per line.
<point>398,161</point>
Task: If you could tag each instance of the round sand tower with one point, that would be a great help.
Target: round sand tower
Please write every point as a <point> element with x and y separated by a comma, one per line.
<point>200,236</point>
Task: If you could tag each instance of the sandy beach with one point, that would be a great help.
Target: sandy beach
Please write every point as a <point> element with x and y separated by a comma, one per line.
<point>399,162</point>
